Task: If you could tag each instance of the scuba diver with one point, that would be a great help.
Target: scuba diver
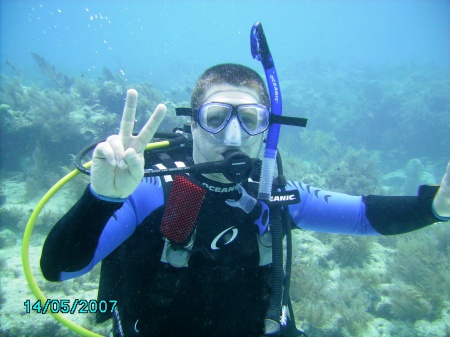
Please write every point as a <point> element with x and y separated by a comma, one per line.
<point>193,245</point>
<point>190,254</point>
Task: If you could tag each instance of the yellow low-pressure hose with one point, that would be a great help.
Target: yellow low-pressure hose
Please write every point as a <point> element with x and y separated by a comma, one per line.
<point>26,243</point>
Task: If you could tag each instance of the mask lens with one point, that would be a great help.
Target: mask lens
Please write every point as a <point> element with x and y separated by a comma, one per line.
<point>254,119</point>
<point>213,117</point>
<point>249,117</point>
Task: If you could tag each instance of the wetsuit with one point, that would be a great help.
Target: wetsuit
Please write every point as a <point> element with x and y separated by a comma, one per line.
<point>225,288</point>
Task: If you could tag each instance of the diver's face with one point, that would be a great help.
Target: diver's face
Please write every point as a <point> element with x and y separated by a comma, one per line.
<point>210,147</point>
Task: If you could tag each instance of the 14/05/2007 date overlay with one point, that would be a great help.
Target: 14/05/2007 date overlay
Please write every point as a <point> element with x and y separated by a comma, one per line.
<point>66,307</point>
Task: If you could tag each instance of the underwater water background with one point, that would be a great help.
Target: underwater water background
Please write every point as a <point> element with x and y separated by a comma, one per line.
<point>372,77</point>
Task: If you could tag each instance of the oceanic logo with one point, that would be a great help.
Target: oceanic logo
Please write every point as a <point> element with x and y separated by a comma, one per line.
<point>275,87</point>
<point>285,198</point>
<point>224,238</point>
<point>220,189</point>
<point>290,197</point>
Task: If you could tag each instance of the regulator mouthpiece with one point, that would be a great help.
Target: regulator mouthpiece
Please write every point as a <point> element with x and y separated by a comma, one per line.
<point>237,166</point>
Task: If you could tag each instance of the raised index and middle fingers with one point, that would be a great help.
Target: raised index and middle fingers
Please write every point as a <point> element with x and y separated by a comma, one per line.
<point>150,128</point>
<point>127,123</point>
<point>129,113</point>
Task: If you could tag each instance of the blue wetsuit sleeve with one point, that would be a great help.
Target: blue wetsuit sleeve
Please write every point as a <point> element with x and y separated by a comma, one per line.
<point>329,212</point>
<point>66,256</point>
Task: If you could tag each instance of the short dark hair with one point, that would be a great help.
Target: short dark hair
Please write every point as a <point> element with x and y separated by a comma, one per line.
<point>229,73</point>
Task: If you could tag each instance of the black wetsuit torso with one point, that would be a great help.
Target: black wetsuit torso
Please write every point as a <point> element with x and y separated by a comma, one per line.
<point>223,292</point>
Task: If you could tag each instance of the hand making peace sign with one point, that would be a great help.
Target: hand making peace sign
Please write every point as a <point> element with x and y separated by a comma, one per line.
<point>118,163</point>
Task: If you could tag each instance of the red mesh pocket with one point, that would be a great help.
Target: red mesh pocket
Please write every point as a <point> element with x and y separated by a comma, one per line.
<point>182,208</point>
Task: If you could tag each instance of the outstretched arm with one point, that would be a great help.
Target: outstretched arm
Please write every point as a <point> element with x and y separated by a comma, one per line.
<point>330,212</point>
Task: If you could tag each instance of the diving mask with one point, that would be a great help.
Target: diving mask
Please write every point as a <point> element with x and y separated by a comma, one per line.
<point>214,117</point>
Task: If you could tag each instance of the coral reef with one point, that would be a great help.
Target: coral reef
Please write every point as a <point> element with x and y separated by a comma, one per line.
<point>383,108</point>
<point>13,122</point>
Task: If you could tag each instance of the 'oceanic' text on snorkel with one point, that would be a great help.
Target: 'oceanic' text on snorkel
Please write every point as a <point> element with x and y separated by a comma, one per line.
<point>275,87</point>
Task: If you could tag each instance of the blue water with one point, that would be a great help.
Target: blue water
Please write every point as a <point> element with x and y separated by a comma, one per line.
<point>372,77</point>
<point>159,41</point>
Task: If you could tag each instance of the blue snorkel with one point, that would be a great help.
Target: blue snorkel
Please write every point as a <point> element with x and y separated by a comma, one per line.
<point>279,315</point>
<point>260,51</point>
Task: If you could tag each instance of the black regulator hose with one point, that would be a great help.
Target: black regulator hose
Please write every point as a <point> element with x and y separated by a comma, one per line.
<point>287,328</point>
<point>236,166</point>
<point>271,322</point>
<point>279,302</point>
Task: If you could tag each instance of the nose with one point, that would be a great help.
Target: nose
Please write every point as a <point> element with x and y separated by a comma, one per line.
<point>233,133</point>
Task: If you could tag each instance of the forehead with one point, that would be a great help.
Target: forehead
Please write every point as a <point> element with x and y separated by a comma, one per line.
<point>227,93</point>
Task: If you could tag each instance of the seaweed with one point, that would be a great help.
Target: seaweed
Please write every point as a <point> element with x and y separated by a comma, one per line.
<point>317,316</point>
<point>12,121</point>
<point>311,307</point>
<point>15,71</point>
<point>351,250</point>
<point>357,173</point>
<point>405,302</point>
<point>11,216</point>
<point>111,96</point>
<point>107,74</point>
<point>60,103</point>
<point>13,94</point>
<point>87,90</point>
<point>321,146</point>
<point>60,80</point>
<point>352,303</point>
<point>327,307</point>
<point>3,198</point>
<point>419,277</point>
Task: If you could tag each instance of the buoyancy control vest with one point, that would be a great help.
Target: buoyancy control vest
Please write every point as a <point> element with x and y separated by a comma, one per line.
<point>222,291</point>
